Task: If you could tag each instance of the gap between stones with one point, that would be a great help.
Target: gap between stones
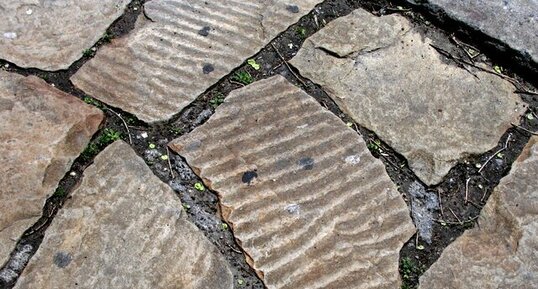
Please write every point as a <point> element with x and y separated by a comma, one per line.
<point>451,190</point>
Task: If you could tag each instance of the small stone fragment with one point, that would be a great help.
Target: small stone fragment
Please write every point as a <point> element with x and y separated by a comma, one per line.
<point>51,35</point>
<point>502,250</point>
<point>388,78</point>
<point>305,217</point>
<point>42,131</point>
<point>124,228</point>
<point>188,45</point>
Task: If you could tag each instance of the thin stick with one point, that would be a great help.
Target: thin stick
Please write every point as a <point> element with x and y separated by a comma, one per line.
<point>238,83</point>
<point>169,163</point>
<point>457,223</point>
<point>496,153</point>
<point>287,65</point>
<point>459,220</point>
<point>235,250</point>
<point>524,129</point>
<point>521,91</point>
<point>124,124</point>
<point>467,190</point>
<point>440,203</point>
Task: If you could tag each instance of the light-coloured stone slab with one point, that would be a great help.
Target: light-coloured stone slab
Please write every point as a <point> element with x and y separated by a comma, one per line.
<point>385,75</point>
<point>186,47</point>
<point>42,131</point>
<point>503,251</point>
<point>514,22</point>
<point>51,35</point>
<point>124,228</point>
<point>311,207</point>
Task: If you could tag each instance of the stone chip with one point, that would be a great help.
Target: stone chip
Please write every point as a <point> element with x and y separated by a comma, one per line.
<point>309,204</point>
<point>180,50</point>
<point>124,228</point>
<point>503,251</point>
<point>42,131</point>
<point>385,75</point>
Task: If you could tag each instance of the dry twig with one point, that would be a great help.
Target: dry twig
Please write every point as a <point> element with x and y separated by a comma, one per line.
<point>287,65</point>
<point>170,164</point>
<point>496,153</point>
<point>124,124</point>
<point>524,129</point>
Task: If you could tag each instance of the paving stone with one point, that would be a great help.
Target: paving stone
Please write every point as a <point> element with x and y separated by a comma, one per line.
<point>124,228</point>
<point>385,75</point>
<point>186,47</point>
<point>42,130</point>
<point>51,35</point>
<point>513,22</point>
<point>311,207</point>
<point>503,251</point>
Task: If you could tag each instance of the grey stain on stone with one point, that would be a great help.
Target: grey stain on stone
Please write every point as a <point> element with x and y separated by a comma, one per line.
<point>208,68</point>
<point>62,259</point>
<point>204,31</point>
<point>293,8</point>
<point>307,163</point>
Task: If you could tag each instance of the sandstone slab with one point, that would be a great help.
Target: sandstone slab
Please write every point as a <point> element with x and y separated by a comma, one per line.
<point>311,207</point>
<point>42,131</point>
<point>51,35</point>
<point>124,228</point>
<point>513,22</point>
<point>180,50</point>
<point>503,251</point>
<point>385,75</point>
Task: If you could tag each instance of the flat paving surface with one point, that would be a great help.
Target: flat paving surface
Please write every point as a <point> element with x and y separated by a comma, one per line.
<point>307,202</point>
<point>124,228</point>
<point>389,79</point>
<point>42,131</point>
<point>180,49</point>
<point>51,35</point>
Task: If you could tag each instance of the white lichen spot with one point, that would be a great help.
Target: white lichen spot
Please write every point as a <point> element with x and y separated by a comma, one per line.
<point>10,35</point>
<point>29,12</point>
<point>293,209</point>
<point>353,159</point>
<point>302,126</point>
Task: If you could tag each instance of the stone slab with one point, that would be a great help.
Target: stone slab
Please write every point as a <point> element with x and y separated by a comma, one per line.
<point>503,251</point>
<point>51,35</point>
<point>187,46</point>
<point>124,228</point>
<point>42,131</point>
<point>309,204</point>
<point>387,77</point>
<point>513,22</point>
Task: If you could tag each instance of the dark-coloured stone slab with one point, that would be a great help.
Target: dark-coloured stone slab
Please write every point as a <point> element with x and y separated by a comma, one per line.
<point>387,77</point>
<point>309,204</point>
<point>42,131</point>
<point>180,50</point>
<point>124,228</point>
<point>502,252</point>
<point>51,35</point>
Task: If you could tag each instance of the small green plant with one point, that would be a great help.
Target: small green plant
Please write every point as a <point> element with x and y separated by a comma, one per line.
<point>301,31</point>
<point>199,186</point>
<point>109,135</point>
<point>90,151</point>
<point>87,53</point>
<point>176,130</point>
<point>243,77</point>
<point>410,270</point>
<point>106,38</point>
<point>92,101</point>
<point>374,145</point>
<point>224,226</point>
<point>60,192</point>
<point>216,100</point>
<point>252,62</point>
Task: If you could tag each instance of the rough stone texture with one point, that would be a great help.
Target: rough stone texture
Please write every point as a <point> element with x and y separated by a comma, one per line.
<point>307,202</point>
<point>186,47</point>
<point>124,228</point>
<point>42,130</point>
<point>387,77</point>
<point>514,22</point>
<point>503,251</point>
<point>51,35</point>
